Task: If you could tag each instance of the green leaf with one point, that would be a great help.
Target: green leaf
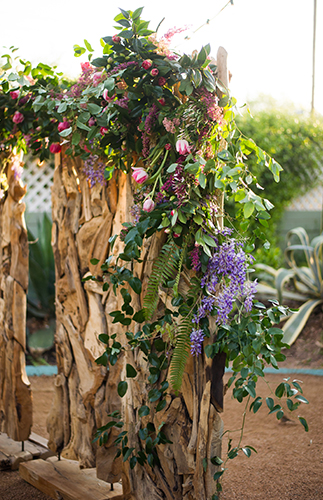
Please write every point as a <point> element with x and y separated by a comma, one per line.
<point>304,423</point>
<point>131,372</point>
<point>136,285</point>
<point>76,138</point>
<point>88,46</point>
<point>122,388</point>
<point>248,209</point>
<point>279,392</point>
<point>247,451</point>
<point>301,399</point>
<point>143,411</point>
<point>93,108</point>
<point>270,403</point>
<point>103,337</point>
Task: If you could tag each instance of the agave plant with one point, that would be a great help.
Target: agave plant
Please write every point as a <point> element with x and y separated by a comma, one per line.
<point>303,283</point>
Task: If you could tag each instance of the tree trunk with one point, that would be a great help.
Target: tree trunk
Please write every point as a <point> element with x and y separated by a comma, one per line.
<point>15,393</point>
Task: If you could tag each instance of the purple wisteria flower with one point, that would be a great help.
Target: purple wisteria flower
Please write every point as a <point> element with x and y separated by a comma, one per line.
<point>225,281</point>
<point>197,337</point>
<point>94,170</point>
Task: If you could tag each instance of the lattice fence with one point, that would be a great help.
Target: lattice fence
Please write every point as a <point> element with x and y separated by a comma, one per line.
<point>39,180</point>
<point>311,201</point>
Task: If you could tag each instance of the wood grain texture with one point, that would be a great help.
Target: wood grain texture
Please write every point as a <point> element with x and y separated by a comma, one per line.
<point>15,393</point>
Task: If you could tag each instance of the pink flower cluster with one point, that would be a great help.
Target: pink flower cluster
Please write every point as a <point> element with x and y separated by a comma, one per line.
<point>170,125</point>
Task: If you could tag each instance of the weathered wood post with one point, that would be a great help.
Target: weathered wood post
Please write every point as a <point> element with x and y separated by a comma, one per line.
<point>15,392</point>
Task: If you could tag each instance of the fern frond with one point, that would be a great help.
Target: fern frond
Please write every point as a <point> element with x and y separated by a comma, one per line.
<point>181,352</point>
<point>163,270</point>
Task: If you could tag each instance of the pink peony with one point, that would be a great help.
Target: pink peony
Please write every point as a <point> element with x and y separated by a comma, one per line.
<point>148,205</point>
<point>63,126</point>
<point>161,81</point>
<point>147,63</point>
<point>104,130</point>
<point>18,117</point>
<point>91,122</point>
<point>55,147</point>
<point>116,39</point>
<point>14,94</point>
<point>154,72</point>
<point>139,174</point>
<point>182,147</point>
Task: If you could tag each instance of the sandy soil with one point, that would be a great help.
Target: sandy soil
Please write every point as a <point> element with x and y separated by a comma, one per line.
<point>289,462</point>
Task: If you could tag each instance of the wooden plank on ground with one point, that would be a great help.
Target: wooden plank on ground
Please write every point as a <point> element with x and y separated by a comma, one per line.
<point>11,453</point>
<point>65,480</point>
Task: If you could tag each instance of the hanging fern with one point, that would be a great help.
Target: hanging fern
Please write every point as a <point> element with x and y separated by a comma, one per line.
<point>181,352</point>
<point>163,270</point>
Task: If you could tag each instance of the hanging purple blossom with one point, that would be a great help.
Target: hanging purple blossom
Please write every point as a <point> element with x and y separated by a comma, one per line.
<point>197,337</point>
<point>94,170</point>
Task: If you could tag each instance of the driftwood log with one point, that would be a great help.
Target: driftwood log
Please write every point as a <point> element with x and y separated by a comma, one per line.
<point>83,221</point>
<point>15,392</point>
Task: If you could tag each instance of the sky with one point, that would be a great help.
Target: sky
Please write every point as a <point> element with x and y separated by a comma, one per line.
<point>269,42</point>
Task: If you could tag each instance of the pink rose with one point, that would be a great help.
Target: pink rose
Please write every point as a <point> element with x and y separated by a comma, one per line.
<point>55,147</point>
<point>92,122</point>
<point>14,94</point>
<point>86,66</point>
<point>63,126</point>
<point>154,72</point>
<point>139,174</point>
<point>103,130</point>
<point>148,205</point>
<point>116,39</point>
<point>18,117</point>
<point>182,147</point>
<point>161,81</point>
<point>147,63</point>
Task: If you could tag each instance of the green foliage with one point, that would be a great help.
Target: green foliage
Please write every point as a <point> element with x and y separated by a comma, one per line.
<point>302,283</point>
<point>296,142</point>
<point>41,288</point>
<point>163,270</point>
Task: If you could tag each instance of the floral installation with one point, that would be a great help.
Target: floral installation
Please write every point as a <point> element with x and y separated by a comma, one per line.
<point>167,121</point>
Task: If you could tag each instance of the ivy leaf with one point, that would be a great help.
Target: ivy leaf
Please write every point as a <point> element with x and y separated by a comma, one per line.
<point>131,372</point>
<point>143,411</point>
<point>135,284</point>
<point>122,388</point>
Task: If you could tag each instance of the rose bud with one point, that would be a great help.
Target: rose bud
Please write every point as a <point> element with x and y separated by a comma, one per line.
<point>148,205</point>
<point>168,147</point>
<point>147,63</point>
<point>105,94</point>
<point>14,94</point>
<point>55,147</point>
<point>139,174</point>
<point>162,101</point>
<point>103,130</point>
<point>182,147</point>
<point>154,72</point>
<point>63,126</point>
<point>116,39</point>
<point>161,81</point>
<point>18,117</point>
<point>91,122</point>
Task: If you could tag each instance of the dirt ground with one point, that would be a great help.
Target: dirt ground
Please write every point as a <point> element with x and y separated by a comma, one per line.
<point>289,462</point>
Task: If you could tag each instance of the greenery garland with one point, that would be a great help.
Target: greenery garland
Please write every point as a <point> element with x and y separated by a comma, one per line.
<point>168,121</point>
